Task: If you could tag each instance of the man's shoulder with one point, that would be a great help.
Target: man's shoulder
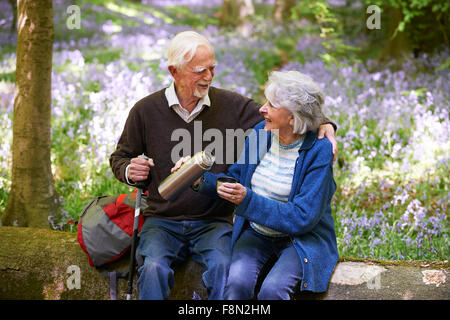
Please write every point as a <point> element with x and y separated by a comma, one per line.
<point>246,108</point>
<point>220,94</point>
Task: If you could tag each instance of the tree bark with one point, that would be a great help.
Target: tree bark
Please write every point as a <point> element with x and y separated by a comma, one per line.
<point>235,12</point>
<point>32,198</point>
<point>397,47</point>
<point>282,10</point>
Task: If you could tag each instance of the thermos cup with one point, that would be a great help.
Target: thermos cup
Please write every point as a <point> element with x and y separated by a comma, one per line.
<point>222,180</point>
<point>190,171</point>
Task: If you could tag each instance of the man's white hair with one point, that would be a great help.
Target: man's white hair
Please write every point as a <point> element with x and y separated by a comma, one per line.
<point>299,94</point>
<point>183,47</point>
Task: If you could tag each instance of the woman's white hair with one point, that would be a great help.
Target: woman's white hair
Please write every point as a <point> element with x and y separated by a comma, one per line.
<point>299,94</point>
<point>183,47</point>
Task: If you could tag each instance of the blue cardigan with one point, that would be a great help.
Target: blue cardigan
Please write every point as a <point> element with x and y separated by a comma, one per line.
<point>306,217</point>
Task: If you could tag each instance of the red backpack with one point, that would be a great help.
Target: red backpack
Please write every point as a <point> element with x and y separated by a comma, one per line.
<point>105,227</point>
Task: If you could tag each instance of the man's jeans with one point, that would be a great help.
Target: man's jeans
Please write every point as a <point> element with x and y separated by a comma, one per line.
<point>163,242</point>
<point>250,253</point>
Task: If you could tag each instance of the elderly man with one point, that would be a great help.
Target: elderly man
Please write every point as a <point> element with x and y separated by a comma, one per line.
<point>192,224</point>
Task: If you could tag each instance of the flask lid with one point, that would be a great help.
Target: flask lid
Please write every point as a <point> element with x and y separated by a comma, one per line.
<point>206,160</point>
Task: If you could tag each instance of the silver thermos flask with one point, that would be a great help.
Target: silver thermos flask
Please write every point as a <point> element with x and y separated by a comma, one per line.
<point>190,171</point>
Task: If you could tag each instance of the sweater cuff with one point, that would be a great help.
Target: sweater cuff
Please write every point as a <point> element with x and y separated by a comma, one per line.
<point>130,182</point>
<point>328,121</point>
<point>242,207</point>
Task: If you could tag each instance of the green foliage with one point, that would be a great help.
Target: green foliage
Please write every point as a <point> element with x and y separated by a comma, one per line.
<point>425,22</point>
<point>331,30</point>
<point>79,178</point>
<point>364,204</point>
<point>262,62</point>
<point>4,195</point>
<point>77,196</point>
<point>6,49</point>
<point>8,76</point>
<point>445,65</point>
<point>322,14</point>
<point>102,55</point>
<point>184,16</point>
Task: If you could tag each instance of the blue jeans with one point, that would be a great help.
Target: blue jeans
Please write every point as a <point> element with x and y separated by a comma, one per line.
<point>163,242</point>
<point>250,254</point>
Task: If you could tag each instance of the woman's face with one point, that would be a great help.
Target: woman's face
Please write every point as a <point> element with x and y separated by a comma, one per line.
<point>276,118</point>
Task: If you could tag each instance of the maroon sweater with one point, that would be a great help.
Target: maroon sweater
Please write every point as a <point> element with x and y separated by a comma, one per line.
<point>149,129</point>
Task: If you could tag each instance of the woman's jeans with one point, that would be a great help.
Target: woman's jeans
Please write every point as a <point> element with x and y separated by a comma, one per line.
<point>163,242</point>
<point>250,254</point>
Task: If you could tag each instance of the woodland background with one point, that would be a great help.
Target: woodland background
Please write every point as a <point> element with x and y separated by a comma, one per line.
<point>66,89</point>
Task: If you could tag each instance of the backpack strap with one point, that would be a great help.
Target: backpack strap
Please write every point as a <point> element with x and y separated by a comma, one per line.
<point>120,198</point>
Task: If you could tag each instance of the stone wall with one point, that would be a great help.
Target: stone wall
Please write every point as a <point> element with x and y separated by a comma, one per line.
<point>42,264</point>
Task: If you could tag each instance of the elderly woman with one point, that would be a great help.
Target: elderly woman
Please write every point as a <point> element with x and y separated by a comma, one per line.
<point>283,211</point>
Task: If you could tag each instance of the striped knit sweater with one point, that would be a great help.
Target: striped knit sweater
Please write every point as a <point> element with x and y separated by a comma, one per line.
<point>273,177</point>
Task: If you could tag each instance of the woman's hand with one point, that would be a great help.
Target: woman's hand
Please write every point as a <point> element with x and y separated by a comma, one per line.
<point>233,192</point>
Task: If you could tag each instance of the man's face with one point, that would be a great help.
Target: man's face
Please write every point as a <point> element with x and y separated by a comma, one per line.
<point>194,79</point>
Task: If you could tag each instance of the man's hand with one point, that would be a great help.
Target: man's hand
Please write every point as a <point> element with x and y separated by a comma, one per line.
<point>139,169</point>
<point>178,165</point>
<point>327,130</point>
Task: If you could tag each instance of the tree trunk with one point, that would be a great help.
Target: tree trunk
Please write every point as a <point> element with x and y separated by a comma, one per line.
<point>397,47</point>
<point>282,10</point>
<point>32,198</point>
<point>235,12</point>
